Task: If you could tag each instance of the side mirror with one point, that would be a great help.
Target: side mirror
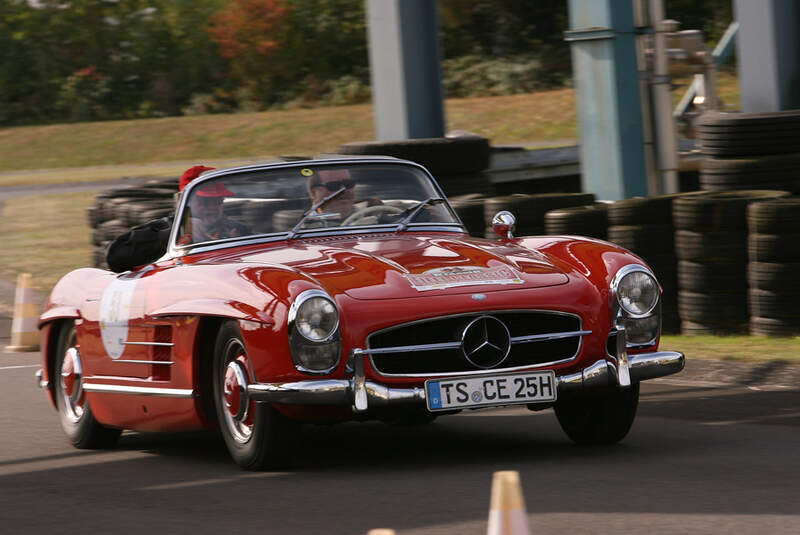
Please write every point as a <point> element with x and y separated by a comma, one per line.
<point>503,224</point>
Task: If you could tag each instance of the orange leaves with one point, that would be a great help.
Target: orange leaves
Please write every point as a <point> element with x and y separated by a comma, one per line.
<point>248,27</point>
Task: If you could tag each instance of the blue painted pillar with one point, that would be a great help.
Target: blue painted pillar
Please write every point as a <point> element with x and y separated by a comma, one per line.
<point>404,67</point>
<point>768,53</point>
<point>602,36</point>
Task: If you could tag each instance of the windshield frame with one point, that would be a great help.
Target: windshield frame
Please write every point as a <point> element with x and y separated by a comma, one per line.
<point>176,250</point>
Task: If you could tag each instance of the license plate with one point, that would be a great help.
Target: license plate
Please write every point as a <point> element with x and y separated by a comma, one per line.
<point>490,391</point>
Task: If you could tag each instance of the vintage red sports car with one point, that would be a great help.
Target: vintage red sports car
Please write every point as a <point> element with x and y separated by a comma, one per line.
<point>338,289</point>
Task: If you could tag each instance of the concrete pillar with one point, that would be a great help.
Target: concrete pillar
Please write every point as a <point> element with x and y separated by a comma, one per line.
<point>602,36</point>
<point>768,52</point>
<point>404,68</point>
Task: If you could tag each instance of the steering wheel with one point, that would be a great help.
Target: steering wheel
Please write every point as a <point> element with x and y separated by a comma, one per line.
<point>358,215</point>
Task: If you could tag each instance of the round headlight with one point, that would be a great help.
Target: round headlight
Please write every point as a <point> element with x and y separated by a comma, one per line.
<point>637,292</point>
<point>315,317</point>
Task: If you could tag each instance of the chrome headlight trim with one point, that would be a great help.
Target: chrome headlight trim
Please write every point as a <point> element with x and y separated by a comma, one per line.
<point>299,342</point>
<point>623,272</point>
<point>294,310</point>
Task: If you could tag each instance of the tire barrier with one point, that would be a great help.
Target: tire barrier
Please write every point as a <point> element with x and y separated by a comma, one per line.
<point>116,211</point>
<point>589,220</point>
<point>774,261</point>
<point>644,225</point>
<point>711,242</point>
<point>453,155</point>
<point>530,210</point>
<point>749,150</point>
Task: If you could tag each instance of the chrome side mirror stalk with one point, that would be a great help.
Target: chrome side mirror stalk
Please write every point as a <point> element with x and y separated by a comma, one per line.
<point>503,224</point>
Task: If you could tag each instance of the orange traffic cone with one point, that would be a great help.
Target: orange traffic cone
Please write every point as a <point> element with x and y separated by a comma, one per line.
<point>24,329</point>
<point>507,515</point>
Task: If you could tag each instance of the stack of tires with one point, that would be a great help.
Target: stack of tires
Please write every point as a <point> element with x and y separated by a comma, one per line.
<point>116,211</point>
<point>590,220</point>
<point>457,161</point>
<point>773,249</point>
<point>644,226</point>
<point>530,210</point>
<point>711,245</point>
<point>746,151</point>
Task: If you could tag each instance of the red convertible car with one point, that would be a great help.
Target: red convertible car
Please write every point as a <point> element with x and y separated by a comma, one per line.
<point>328,290</point>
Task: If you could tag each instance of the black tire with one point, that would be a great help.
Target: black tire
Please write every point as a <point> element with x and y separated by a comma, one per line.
<point>774,276</point>
<point>655,210</point>
<point>713,308</point>
<point>258,437</point>
<point>453,185</point>
<point>643,240</point>
<point>470,210</point>
<point>710,246</point>
<point>777,216</point>
<point>693,328</point>
<point>774,326</point>
<point>773,247</point>
<point>715,212</point>
<point>441,156</point>
<point>772,304</point>
<point>599,417</point>
<point>712,277</point>
<point>588,220</point>
<point>74,412</point>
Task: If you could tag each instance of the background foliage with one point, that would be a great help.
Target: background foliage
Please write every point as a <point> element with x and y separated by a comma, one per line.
<point>81,60</point>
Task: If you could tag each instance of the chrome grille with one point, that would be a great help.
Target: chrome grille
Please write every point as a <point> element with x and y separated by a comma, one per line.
<point>433,346</point>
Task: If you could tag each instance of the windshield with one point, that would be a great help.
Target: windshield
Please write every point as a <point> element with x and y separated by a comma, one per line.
<point>307,197</point>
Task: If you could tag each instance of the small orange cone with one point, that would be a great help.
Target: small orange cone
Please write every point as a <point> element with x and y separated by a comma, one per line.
<point>507,515</point>
<point>380,531</point>
<point>24,328</point>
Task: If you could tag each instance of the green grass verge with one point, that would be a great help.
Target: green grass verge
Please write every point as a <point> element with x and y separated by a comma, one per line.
<point>738,348</point>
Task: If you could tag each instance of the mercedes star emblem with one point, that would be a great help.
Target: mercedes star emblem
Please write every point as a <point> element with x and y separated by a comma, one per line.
<point>485,342</point>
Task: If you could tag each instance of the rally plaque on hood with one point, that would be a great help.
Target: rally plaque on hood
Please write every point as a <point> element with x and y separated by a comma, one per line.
<point>451,277</point>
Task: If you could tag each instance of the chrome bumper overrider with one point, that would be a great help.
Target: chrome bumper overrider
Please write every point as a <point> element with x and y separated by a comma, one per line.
<point>362,394</point>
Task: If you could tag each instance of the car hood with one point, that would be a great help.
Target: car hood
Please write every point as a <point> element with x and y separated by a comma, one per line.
<point>403,266</point>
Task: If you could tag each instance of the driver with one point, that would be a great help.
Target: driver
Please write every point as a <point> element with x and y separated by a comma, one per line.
<point>326,182</point>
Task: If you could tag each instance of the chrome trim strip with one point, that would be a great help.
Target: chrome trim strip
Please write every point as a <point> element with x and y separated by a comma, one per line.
<point>546,337</point>
<point>159,344</point>
<point>362,394</point>
<point>138,390</point>
<point>162,362</point>
<point>623,367</point>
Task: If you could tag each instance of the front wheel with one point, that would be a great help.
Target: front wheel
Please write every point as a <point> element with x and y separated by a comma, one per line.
<point>257,436</point>
<point>598,417</point>
<point>74,412</point>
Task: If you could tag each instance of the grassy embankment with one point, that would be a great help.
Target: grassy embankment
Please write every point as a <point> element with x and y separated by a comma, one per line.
<point>47,235</point>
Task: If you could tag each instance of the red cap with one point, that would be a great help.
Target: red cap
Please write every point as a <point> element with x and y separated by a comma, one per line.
<point>192,173</point>
<point>217,189</point>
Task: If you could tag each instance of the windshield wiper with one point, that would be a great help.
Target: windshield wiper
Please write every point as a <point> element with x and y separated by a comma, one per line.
<point>312,211</point>
<point>411,213</point>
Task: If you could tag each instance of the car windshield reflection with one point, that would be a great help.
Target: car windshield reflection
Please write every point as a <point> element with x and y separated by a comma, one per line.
<point>310,196</point>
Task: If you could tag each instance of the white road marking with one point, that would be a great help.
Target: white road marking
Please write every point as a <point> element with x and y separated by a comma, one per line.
<point>17,367</point>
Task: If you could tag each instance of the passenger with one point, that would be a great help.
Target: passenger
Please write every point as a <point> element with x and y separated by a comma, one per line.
<point>208,222</point>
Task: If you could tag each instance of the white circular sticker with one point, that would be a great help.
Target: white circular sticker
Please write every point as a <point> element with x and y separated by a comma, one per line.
<point>115,311</point>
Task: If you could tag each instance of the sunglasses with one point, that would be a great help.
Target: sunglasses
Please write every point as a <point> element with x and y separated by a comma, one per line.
<point>336,185</point>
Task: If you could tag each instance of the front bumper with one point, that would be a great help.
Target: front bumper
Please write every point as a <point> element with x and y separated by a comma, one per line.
<point>361,394</point>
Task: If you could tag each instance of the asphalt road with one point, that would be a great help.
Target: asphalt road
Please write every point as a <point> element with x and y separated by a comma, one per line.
<point>709,453</point>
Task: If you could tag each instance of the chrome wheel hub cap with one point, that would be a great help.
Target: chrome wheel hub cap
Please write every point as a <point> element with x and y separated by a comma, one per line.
<point>72,385</point>
<point>236,402</point>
